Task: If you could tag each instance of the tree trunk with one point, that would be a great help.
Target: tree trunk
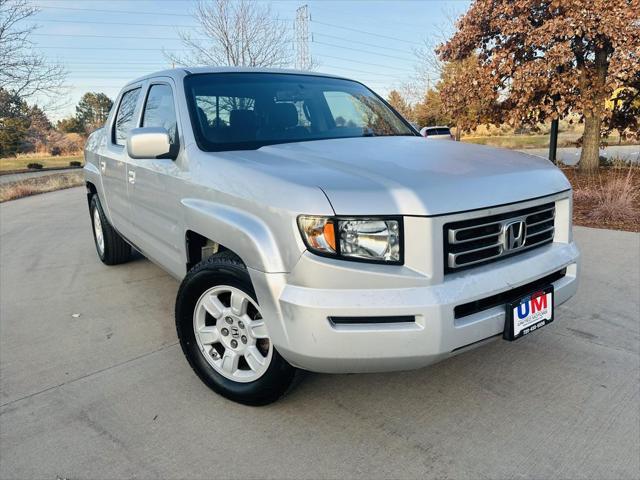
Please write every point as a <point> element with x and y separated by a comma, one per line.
<point>590,155</point>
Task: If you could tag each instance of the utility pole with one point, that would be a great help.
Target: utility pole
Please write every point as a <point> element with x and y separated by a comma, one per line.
<point>301,28</point>
<point>553,134</point>
<point>553,140</point>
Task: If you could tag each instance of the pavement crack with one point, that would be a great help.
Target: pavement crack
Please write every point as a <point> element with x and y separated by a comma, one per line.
<point>90,374</point>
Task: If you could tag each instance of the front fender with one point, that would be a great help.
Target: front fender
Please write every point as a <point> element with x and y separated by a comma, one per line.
<point>245,234</point>
<point>92,176</point>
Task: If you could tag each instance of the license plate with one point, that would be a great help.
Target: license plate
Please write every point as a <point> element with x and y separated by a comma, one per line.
<point>529,313</point>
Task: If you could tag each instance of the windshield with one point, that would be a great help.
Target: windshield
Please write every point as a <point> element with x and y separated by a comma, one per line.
<point>239,111</point>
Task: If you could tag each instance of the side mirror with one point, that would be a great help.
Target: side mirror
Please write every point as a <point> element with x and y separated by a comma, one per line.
<point>150,142</point>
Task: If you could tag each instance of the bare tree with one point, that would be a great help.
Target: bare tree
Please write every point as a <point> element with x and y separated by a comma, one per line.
<point>426,71</point>
<point>22,69</point>
<point>238,33</point>
<point>428,68</point>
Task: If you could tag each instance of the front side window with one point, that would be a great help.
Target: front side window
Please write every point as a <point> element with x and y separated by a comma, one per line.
<point>234,111</point>
<point>124,118</point>
<point>160,111</point>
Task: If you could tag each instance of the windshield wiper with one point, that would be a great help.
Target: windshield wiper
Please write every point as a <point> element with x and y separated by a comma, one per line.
<point>391,135</point>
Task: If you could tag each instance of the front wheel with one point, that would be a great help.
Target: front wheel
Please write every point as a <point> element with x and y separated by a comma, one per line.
<point>224,336</point>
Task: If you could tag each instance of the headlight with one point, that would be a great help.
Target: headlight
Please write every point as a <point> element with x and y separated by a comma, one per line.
<point>358,238</point>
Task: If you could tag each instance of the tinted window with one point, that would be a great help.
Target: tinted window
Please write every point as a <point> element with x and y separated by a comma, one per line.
<point>438,131</point>
<point>232,111</point>
<point>353,111</point>
<point>159,110</point>
<point>215,111</point>
<point>124,118</point>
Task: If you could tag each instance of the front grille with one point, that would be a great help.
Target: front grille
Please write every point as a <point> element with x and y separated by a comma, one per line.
<point>480,240</point>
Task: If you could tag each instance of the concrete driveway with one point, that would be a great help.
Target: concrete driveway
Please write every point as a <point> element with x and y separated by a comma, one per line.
<point>94,385</point>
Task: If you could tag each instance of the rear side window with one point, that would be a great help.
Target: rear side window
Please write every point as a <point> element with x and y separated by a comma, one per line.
<point>124,118</point>
<point>159,111</point>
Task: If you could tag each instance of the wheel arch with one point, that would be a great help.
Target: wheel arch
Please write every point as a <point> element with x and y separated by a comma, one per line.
<point>91,191</point>
<point>223,228</point>
<point>199,247</point>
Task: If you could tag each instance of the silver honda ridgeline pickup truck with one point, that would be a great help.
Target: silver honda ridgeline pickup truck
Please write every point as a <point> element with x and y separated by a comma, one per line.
<point>313,228</point>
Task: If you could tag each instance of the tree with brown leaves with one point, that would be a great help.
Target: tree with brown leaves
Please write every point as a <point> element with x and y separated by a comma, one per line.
<point>546,59</point>
<point>430,112</point>
<point>625,110</point>
<point>397,101</point>
<point>465,99</point>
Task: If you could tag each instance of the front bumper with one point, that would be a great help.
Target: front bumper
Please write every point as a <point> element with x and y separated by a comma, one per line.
<point>297,306</point>
<point>304,335</point>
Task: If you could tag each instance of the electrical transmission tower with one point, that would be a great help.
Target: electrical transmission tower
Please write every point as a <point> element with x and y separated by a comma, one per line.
<point>301,28</point>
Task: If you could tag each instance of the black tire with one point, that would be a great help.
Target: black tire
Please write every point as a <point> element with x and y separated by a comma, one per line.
<point>226,269</point>
<point>116,250</point>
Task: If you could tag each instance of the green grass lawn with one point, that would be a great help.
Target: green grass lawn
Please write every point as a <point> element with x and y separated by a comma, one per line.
<point>47,161</point>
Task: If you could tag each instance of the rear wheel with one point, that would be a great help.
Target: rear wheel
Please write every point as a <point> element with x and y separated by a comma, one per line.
<point>110,246</point>
<point>224,336</point>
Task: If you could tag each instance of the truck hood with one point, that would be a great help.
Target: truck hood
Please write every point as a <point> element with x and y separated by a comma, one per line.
<point>409,175</point>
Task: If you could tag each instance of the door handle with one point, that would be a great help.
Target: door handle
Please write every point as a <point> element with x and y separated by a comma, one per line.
<point>103,166</point>
<point>132,177</point>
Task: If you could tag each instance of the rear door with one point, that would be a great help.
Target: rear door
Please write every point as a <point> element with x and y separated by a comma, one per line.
<point>154,183</point>
<point>113,164</point>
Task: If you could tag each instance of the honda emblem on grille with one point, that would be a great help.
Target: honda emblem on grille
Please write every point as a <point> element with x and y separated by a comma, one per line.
<point>515,235</point>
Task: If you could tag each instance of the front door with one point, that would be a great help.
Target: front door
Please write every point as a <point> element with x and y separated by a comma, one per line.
<point>154,185</point>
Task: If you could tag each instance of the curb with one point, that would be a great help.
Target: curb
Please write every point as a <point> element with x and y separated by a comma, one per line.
<point>30,170</point>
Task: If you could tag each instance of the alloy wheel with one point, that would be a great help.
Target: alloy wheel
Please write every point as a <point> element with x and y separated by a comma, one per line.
<point>97,230</point>
<point>231,333</point>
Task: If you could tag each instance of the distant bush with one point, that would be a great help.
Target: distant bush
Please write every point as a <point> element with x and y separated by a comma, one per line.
<point>604,161</point>
<point>75,163</point>
<point>65,143</point>
<point>34,166</point>
<point>618,162</point>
